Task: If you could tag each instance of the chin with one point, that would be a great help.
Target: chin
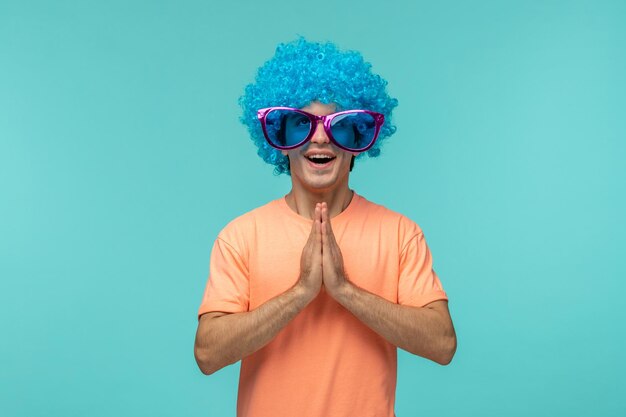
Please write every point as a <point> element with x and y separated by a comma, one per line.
<point>322,182</point>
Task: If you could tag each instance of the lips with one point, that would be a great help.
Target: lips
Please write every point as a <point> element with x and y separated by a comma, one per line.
<point>321,165</point>
<point>320,158</point>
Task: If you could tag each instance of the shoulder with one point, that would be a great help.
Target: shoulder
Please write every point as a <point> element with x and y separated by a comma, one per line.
<point>242,227</point>
<point>390,220</point>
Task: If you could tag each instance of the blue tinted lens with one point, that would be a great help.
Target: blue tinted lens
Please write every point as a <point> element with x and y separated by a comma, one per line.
<point>286,127</point>
<point>353,130</point>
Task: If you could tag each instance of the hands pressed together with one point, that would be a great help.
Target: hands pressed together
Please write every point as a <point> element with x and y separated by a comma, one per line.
<point>321,262</point>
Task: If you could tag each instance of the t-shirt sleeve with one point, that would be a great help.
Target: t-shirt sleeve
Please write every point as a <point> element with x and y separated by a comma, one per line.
<point>227,288</point>
<point>418,283</point>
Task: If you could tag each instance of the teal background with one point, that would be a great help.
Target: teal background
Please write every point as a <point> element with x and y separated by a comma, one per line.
<point>121,158</point>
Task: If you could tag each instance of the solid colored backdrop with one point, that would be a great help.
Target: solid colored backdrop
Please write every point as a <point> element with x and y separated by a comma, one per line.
<point>121,158</point>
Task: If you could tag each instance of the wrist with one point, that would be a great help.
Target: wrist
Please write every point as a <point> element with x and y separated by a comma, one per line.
<point>303,294</point>
<point>343,292</point>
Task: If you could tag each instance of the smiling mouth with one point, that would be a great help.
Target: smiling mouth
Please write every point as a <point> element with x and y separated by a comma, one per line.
<point>321,164</point>
<point>320,160</point>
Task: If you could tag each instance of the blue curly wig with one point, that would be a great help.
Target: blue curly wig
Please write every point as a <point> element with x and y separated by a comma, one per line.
<point>301,72</point>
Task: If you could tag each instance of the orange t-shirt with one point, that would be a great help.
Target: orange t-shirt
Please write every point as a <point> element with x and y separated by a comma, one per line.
<point>325,362</point>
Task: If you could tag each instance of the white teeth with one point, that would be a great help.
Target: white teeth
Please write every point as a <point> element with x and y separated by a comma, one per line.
<point>319,156</point>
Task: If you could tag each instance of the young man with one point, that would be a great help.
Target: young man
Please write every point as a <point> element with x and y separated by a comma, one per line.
<point>315,291</point>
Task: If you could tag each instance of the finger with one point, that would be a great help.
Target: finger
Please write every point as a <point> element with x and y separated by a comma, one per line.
<point>329,237</point>
<point>329,234</point>
<point>318,225</point>
<point>324,224</point>
<point>329,229</point>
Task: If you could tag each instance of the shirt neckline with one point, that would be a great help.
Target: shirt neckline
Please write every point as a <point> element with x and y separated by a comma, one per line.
<point>282,203</point>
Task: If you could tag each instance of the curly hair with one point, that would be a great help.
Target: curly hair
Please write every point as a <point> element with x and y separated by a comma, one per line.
<point>301,72</point>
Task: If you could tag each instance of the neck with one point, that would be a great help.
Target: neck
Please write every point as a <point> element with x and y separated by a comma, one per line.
<point>303,201</point>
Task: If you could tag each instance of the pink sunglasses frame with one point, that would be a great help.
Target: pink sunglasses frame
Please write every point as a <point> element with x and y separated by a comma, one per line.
<point>379,119</point>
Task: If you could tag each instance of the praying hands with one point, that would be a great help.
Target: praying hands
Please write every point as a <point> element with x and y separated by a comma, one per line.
<point>425,331</point>
<point>321,262</point>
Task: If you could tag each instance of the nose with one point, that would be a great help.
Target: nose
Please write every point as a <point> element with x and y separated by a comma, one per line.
<point>320,135</point>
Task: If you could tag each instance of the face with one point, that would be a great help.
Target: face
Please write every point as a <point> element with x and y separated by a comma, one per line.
<point>316,174</point>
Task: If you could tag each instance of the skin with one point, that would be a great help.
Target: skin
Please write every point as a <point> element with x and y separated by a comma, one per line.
<point>225,338</point>
<point>312,186</point>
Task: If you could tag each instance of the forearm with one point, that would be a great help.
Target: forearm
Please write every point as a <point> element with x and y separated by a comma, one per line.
<point>231,337</point>
<point>421,331</point>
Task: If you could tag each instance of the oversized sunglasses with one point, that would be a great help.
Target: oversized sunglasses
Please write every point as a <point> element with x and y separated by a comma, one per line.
<point>351,130</point>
